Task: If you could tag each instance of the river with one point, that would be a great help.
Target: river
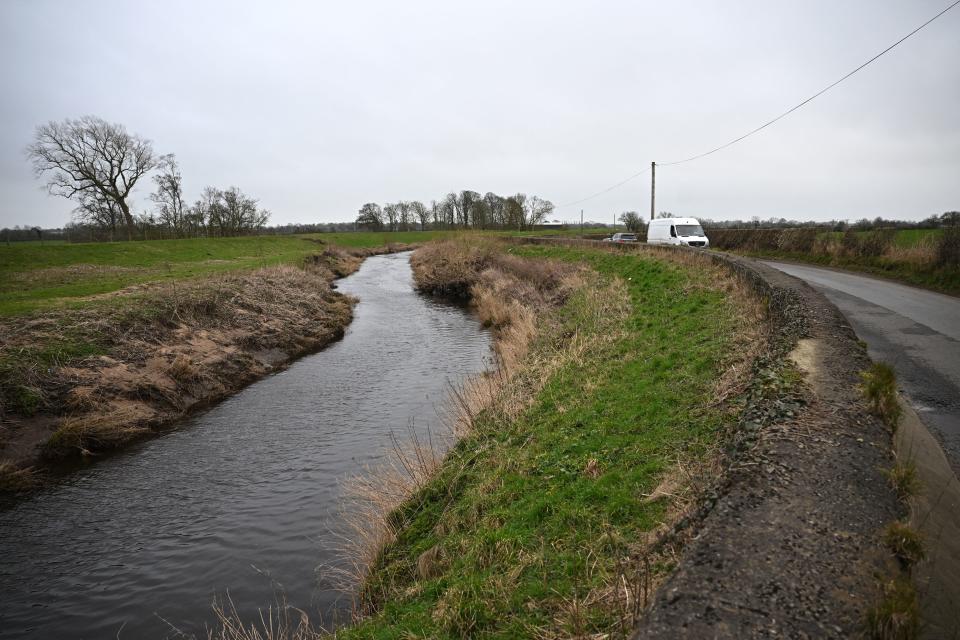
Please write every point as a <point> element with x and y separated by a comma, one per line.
<point>244,497</point>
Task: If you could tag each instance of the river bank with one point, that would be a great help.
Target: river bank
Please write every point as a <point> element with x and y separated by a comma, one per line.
<point>621,376</point>
<point>80,381</point>
<point>243,499</point>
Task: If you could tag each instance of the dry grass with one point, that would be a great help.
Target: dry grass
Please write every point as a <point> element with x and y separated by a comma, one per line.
<point>905,542</point>
<point>896,615</point>
<point>14,478</point>
<point>97,431</point>
<point>880,389</point>
<point>156,349</point>
<point>904,480</point>
<point>279,622</point>
<point>501,290</point>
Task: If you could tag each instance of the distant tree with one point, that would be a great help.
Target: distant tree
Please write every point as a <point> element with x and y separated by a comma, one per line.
<point>513,211</point>
<point>495,208</point>
<point>536,210</point>
<point>421,213</point>
<point>171,209</point>
<point>228,212</point>
<point>463,204</point>
<point>667,214</point>
<point>632,221</point>
<point>405,215</point>
<point>392,213</point>
<point>370,216</point>
<point>241,212</point>
<point>950,219</point>
<point>91,156</point>
<point>480,214</point>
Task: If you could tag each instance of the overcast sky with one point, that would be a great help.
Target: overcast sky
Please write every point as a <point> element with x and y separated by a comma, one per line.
<point>318,107</point>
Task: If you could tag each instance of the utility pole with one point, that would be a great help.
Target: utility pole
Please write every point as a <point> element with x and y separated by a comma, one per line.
<point>653,188</point>
<point>581,222</point>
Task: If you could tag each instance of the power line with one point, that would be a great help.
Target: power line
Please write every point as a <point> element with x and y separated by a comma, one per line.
<point>767,124</point>
<point>811,98</point>
<point>611,188</point>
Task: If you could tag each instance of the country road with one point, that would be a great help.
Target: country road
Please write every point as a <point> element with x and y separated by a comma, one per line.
<point>914,330</point>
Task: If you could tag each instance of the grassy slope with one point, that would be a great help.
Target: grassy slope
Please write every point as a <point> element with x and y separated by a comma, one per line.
<point>525,532</point>
<point>34,277</point>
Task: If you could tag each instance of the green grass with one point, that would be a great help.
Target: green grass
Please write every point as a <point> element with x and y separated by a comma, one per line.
<point>902,237</point>
<point>913,237</point>
<point>522,530</point>
<point>35,277</point>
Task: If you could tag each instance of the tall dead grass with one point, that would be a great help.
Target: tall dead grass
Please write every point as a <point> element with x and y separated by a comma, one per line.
<point>79,364</point>
<point>512,296</point>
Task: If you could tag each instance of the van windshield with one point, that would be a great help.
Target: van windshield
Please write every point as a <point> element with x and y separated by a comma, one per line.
<point>684,230</point>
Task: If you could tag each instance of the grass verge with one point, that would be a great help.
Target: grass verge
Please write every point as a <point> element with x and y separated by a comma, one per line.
<point>540,522</point>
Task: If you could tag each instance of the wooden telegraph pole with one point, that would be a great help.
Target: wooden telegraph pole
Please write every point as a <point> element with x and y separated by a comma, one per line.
<point>653,188</point>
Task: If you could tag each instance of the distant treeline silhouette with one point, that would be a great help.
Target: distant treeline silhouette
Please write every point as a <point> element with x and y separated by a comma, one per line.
<point>457,210</point>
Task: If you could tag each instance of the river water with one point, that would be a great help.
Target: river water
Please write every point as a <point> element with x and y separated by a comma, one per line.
<point>243,498</point>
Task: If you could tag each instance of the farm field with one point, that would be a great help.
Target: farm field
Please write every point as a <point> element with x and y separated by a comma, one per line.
<point>34,277</point>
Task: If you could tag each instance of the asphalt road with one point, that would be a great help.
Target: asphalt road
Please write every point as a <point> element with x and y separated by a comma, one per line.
<point>915,331</point>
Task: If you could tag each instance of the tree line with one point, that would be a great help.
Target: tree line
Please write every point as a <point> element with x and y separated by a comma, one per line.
<point>97,164</point>
<point>457,210</point>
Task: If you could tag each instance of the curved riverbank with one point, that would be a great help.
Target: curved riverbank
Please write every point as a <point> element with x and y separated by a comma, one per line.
<point>243,498</point>
<point>544,519</point>
<point>78,382</point>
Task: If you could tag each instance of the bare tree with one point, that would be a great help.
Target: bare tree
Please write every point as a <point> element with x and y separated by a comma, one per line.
<point>495,207</point>
<point>168,197</point>
<point>421,212</point>
<point>370,216</point>
<point>438,214</point>
<point>406,214</point>
<point>464,203</point>
<point>392,213</point>
<point>513,211</point>
<point>228,212</point>
<point>90,155</point>
<point>98,210</point>
<point>535,210</point>
<point>632,221</point>
<point>450,210</point>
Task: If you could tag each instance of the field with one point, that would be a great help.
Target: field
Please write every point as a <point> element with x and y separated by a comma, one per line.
<point>35,277</point>
<point>535,524</point>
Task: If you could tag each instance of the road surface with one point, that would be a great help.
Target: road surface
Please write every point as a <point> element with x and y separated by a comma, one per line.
<point>915,331</point>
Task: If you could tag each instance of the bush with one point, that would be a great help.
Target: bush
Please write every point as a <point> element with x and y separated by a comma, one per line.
<point>948,249</point>
<point>874,244</point>
<point>798,240</point>
<point>849,244</point>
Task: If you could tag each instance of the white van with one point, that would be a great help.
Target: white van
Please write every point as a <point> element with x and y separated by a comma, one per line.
<point>681,231</point>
